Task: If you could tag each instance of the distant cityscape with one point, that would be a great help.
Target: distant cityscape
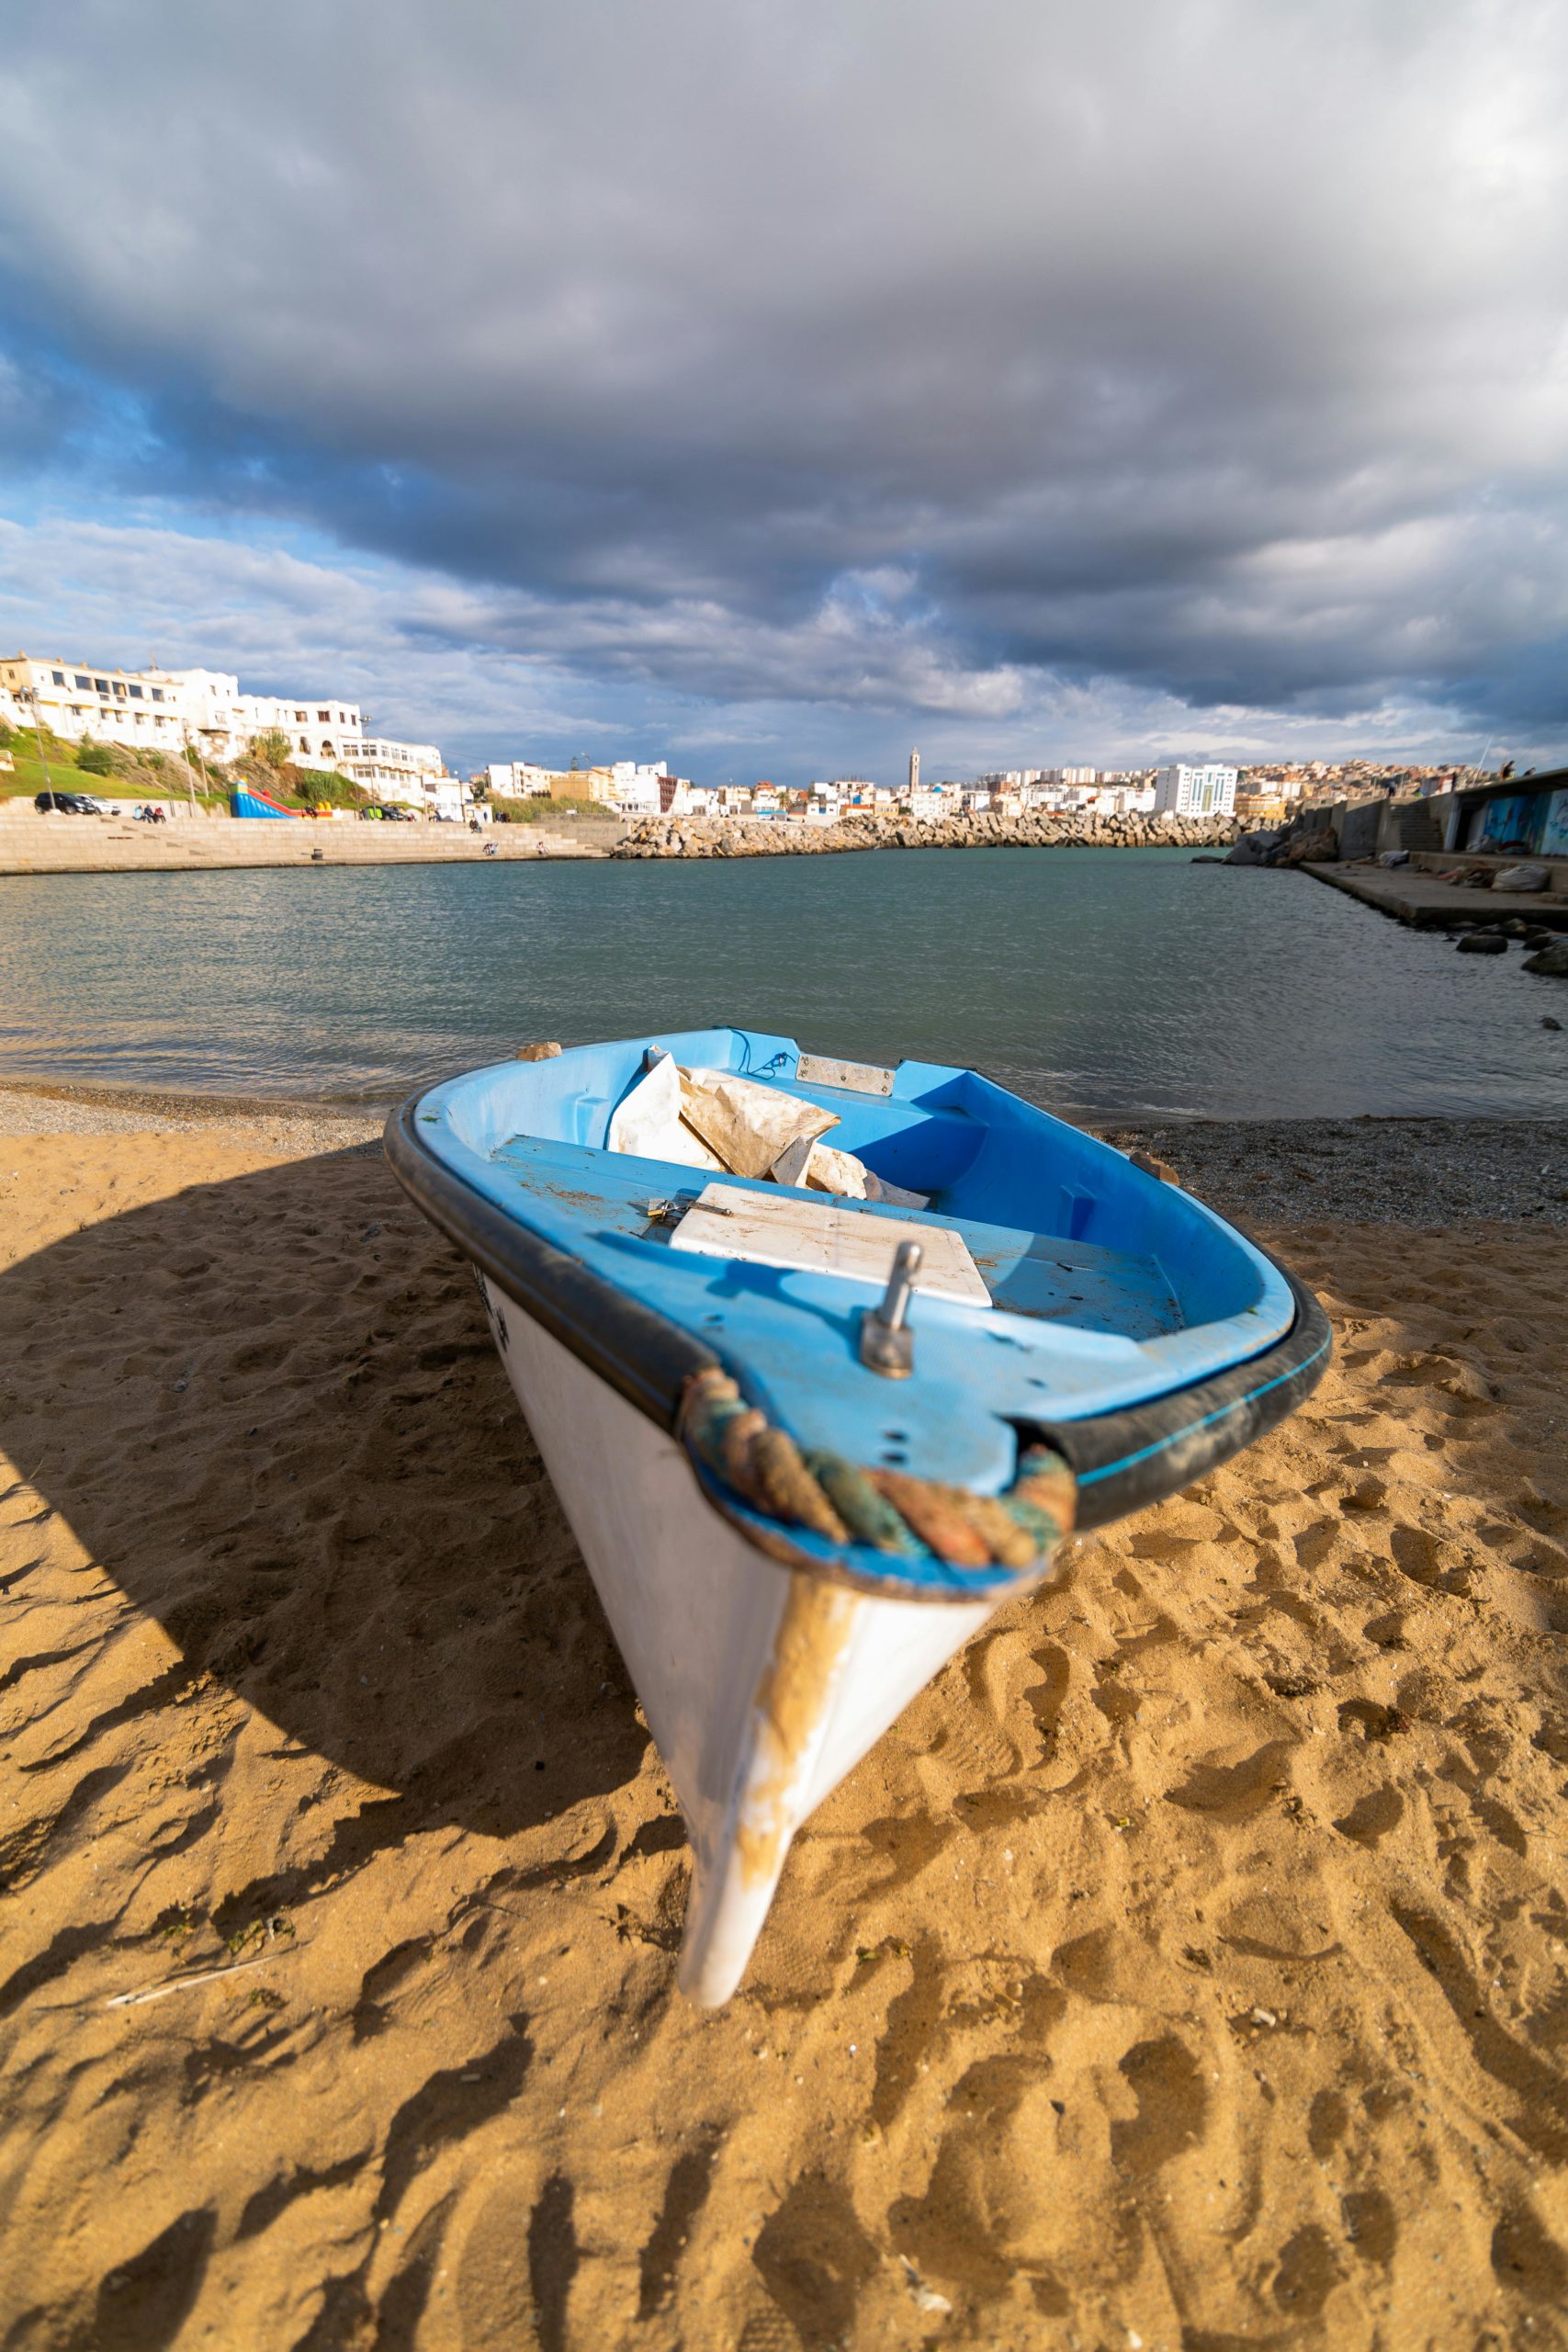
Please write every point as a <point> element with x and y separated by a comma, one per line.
<point>178,714</point>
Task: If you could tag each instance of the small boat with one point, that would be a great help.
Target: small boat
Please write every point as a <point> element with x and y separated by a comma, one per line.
<point>814,1410</point>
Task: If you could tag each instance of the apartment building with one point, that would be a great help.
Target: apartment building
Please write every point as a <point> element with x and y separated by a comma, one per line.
<point>519,779</point>
<point>406,772</point>
<point>928,801</point>
<point>161,711</point>
<point>1184,791</point>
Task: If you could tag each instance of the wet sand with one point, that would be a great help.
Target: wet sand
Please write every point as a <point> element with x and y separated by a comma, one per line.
<point>1186,1968</point>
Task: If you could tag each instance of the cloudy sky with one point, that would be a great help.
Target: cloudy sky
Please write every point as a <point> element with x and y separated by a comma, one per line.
<point>780,383</point>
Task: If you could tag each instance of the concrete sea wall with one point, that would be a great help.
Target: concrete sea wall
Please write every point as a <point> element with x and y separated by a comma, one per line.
<point>31,843</point>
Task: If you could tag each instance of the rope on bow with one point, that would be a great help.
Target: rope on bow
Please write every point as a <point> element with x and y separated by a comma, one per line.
<point>888,1510</point>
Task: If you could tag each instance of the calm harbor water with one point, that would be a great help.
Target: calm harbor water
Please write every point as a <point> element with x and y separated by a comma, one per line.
<point>1115,980</point>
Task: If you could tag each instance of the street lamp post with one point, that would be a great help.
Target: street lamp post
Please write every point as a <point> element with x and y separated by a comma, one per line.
<point>190,780</point>
<point>42,754</point>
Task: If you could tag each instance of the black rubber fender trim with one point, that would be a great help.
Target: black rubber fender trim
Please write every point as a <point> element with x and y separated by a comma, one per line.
<point>1125,1461</point>
<point>647,1360</point>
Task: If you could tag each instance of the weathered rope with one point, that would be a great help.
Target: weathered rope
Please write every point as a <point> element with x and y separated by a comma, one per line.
<point>888,1510</point>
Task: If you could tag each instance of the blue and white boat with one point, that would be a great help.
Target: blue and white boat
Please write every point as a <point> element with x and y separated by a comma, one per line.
<point>810,1439</point>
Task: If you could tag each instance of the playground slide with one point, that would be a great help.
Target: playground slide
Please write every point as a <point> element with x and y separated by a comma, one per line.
<point>247,800</point>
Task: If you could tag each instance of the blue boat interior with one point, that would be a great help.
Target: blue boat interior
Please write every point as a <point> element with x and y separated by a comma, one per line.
<point>1108,1286</point>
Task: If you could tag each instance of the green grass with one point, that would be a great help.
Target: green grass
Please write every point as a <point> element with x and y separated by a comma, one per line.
<point>64,775</point>
<point>545,812</point>
<point>29,777</point>
<point>57,769</point>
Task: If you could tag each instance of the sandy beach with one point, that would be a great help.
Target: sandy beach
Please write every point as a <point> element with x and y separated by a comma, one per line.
<point>1188,1970</point>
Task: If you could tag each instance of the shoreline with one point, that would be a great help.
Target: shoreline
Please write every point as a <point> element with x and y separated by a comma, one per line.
<point>296,1128</point>
<point>196,1102</point>
<point>36,845</point>
<point>1417,1171</point>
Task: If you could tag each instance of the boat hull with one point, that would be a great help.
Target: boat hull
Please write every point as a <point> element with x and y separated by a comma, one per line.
<point>1130,1338</point>
<point>763,1685</point>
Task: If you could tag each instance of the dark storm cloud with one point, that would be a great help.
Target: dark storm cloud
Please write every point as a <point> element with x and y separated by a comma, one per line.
<point>894,354</point>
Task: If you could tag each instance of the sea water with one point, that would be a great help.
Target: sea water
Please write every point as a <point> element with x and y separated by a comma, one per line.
<point>1112,982</point>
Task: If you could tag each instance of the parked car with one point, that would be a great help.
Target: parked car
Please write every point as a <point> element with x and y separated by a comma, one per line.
<point>67,804</point>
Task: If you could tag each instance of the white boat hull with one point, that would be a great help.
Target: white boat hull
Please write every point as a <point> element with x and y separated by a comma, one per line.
<point>763,1685</point>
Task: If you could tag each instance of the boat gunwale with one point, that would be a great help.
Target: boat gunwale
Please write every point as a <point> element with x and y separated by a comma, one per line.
<point>1123,1459</point>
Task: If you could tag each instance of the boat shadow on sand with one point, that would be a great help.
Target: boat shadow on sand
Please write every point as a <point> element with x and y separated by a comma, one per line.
<point>269,1410</point>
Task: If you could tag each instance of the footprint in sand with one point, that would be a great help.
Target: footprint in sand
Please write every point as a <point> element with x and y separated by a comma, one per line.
<point>1527,2259</point>
<point>1370,2225</point>
<point>1327,2121</point>
<point>815,2261</point>
<point>1373,1816</point>
<point>141,2304</point>
<point>1308,2272</point>
<point>686,2194</point>
<point>1232,1791</point>
<point>1167,2083</point>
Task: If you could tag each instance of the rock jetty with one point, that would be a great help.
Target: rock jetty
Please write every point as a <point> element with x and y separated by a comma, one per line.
<point>742,837</point>
<point>1306,841</point>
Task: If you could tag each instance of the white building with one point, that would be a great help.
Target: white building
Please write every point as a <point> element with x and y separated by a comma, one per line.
<point>408,772</point>
<point>519,779</point>
<point>638,789</point>
<point>447,796</point>
<point>160,711</point>
<point>1184,791</point>
<point>852,792</point>
<point>928,801</point>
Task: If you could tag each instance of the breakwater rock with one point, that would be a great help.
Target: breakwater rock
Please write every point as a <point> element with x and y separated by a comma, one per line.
<point>743,837</point>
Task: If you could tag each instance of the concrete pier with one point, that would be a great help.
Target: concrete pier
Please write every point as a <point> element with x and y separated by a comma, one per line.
<point>1414,895</point>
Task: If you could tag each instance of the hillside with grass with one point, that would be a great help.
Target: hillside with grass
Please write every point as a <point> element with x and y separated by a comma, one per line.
<point>43,761</point>
<point>108,769</point>
<point>545,811</point>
